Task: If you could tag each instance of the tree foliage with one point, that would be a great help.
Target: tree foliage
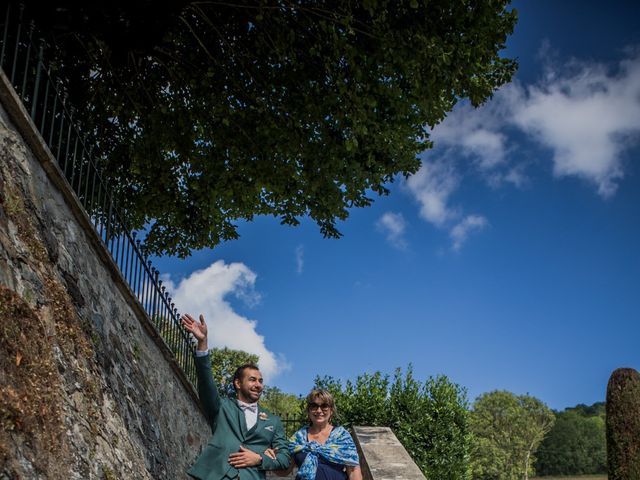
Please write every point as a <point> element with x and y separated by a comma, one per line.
<point>281,403</point>
<point>623,425</point>
<point>507,431</point>
<point>576,444</point>
<point>206,113</point>
<point>225,361</point>
<point>429,418</point>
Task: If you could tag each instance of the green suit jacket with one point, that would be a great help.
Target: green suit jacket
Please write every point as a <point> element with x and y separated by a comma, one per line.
<point>229,429</point>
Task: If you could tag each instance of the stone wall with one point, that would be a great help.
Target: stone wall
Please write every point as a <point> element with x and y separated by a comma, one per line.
<point>86,389</point>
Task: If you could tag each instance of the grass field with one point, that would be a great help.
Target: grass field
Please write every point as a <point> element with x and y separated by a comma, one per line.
<point>581,477</point>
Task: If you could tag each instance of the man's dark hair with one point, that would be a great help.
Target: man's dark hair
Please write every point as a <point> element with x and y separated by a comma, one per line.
<point>239,375</point>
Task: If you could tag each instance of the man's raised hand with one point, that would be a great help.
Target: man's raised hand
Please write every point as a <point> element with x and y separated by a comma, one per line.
<point>197,329</point>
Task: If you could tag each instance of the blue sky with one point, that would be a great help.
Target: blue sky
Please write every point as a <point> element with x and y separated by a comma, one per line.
<point>510,261</point>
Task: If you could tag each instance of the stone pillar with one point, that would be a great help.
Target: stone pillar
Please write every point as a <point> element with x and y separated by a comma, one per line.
<point>382,456</point>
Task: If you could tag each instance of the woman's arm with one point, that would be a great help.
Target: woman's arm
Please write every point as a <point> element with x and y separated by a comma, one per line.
<point>271,453</point>
<point>354,473</point>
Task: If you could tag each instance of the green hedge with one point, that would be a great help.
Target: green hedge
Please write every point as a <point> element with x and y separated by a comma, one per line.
<point>430,418</point>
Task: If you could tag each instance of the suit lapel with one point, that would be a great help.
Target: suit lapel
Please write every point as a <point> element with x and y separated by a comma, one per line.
<point>243,421</point>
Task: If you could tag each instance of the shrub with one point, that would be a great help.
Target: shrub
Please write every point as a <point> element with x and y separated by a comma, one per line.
<point>430,419</point>
<point>623,425</point>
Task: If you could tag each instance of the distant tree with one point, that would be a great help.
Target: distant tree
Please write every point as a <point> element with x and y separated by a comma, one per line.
<point>225,361</point>
<point>205,113</point>
<point>576,444</point>
<point>429,418</point>
<point>507,431</point>
<point>281,403</point>
<point>623,425</point>
<point>598,409</point>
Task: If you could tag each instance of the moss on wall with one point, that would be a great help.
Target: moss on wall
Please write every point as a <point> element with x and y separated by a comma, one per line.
<point>30,406</point>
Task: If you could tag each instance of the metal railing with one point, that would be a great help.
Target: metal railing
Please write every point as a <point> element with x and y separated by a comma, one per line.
<point>292,423</point>
<point>22,58</point>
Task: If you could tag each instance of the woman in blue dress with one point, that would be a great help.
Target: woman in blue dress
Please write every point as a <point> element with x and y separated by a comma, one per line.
<point>321,450</point>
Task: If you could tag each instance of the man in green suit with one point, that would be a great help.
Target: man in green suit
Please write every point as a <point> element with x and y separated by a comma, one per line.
<point>242,431</point>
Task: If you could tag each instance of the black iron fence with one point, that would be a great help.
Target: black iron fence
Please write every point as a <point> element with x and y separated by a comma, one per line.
<point>22,59</point>
<point>292,423</point>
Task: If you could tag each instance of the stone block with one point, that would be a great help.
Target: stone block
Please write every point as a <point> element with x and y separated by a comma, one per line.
<point>382,456</point>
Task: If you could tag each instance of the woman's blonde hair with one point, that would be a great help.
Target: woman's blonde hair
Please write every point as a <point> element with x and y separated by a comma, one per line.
<point>319,395</point>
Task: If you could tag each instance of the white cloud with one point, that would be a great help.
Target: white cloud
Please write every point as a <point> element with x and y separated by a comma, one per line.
<point>586,114</point>
<point>299,259</point>
<point>432,186</point>
<point>205,291</point>
<point>587,117</point>
<point>461,230</point>
<point>475,134</point>
<point>393,225</point>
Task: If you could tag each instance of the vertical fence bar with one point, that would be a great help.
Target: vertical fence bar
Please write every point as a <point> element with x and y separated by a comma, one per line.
<point>100,217</point>
<point>143,275</point>
<point>139,262</point>
<point>147,287</point>
<point>149,280</point>
<point>143,282</point>
<point>102,207</point>
<point>37,84</point>
<point>5,34</point>
<point>53,116</point>
<point>23,91</point>
<point>161,309</point>
<point>86,183</point>
<point>117,252</point>
<point>66,153</point>
<point>46,102</point>
<point>93,190</point>
<point>15,51</point>
<point>80,169</point>
<point>181,347</point>
<point>172,324</point>
<point>154,305</point>
<point>126,258</point>
<point>62,112</point>
<point>134,265</point>
<point>163,318</point>
<point>109,233</point>
<point>133,268</point>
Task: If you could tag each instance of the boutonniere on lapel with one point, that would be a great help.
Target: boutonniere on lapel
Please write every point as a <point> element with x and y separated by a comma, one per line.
<point>263,415</point>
